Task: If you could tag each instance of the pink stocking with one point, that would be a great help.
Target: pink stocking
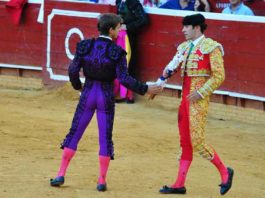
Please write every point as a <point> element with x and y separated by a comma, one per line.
<point>104,165</point>
<point>183,170</point>
<point>66,157</point>
<point>221,167</point>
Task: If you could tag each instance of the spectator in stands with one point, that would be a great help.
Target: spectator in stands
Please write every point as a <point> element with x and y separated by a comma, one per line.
<point>179,5</point>
<point>148,3</point>
<point>158,3</point>
<point>237,7</point>
<point>134,18</point>
<point>202,6</point>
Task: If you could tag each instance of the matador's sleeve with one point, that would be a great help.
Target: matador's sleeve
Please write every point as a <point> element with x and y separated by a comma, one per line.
<point>127,80</point>
<point>118,55</point>
<point>82,49</point>
<point>178,58</point>
<point>217,74</point>
<point>73,72</point>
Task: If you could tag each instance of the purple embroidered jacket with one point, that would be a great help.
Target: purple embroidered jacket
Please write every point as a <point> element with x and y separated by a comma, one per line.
<point>102,60</point>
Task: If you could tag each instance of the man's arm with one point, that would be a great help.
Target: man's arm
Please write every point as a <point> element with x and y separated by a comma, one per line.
<point>217,74</point>
<point>171,68</point>
<point>73,72</point>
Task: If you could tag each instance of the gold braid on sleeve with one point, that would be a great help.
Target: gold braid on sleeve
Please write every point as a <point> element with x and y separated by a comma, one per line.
<point>217,73</point>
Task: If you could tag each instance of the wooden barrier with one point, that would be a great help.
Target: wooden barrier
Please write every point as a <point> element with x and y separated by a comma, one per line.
<point>48,48</point>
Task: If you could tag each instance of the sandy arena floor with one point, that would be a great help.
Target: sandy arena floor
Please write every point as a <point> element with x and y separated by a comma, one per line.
<point>33,123</point>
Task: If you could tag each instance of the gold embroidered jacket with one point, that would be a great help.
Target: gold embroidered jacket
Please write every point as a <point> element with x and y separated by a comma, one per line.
<point>206,61</point>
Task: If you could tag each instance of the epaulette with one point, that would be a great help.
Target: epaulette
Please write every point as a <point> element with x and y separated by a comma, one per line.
<point>115,52</point>
<point>84,47</point>
<point>208,45</point>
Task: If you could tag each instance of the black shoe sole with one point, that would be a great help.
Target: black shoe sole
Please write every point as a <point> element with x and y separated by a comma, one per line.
<point>169,190</point>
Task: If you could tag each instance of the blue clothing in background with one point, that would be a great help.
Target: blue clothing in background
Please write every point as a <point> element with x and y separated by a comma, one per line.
<point>174,4</point>
<point>240,10</point>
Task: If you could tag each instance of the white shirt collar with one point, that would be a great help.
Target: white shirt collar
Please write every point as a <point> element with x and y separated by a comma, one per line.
<point>107,37</point>
<point>195,42</point>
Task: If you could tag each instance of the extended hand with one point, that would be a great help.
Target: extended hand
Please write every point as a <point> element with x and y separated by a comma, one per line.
<point>151,96</point>
<point>153,90</point>
<point>194,96</point>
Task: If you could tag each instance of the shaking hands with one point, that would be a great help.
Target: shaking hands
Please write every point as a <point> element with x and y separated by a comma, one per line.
<point>154,89</point>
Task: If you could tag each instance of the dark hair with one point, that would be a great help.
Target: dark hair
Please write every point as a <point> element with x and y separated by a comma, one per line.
<point>194,20</point>
<point>107,21</point>
<point>201,7</point>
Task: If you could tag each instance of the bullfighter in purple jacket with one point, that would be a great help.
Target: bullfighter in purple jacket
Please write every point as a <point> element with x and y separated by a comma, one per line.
<point>102,61</point>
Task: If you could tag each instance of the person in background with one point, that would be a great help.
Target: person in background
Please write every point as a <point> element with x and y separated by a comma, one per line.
<point>158,3</point>
<point>101,61</point>
<point>179,5</point>
<point>201,63</point>
<point>134,19</point>
<point>237,7</point>
<point>121,92</point>
<point>202,6</point>
<point>148,3</point>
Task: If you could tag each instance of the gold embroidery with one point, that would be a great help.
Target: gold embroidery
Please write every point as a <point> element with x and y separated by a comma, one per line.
<point>201,72</point>
<point>205,81</point>
<point>191,64</point>
<point>195,57</point>
<point>183,46</point>
<point>198,113</point>
<point>217,73</point>
<point>208,45</point>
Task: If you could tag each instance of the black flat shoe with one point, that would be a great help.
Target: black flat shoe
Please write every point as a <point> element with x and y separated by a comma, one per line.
<point>169,190</point>
<point>102,187</point>
<point>58,181</point>
<point>226,187</point>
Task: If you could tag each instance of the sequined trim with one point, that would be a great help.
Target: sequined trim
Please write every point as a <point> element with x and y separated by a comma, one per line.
<point>208,45</point>
<point>78,115</point>
<point>217,74</point>
<point>198,114</point>
<point>110,108</point>
<point>201,72</point>
<point>115,52</point>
